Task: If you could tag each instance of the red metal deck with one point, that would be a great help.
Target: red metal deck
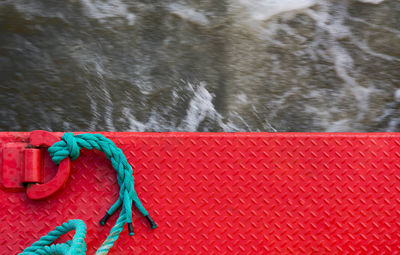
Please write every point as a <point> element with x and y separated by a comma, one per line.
<point>236,193</point>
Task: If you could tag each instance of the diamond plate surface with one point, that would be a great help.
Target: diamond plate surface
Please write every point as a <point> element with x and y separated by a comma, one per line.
<point>239,193</point>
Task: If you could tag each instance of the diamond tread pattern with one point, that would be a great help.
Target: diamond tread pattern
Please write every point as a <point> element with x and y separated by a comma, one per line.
<point>239,193</point>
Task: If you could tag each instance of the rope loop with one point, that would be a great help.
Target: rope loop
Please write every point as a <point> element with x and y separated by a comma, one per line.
<point>75,247</point>
<point>70,145</point>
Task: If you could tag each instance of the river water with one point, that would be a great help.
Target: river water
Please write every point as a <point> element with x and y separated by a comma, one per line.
<point>237,65</point>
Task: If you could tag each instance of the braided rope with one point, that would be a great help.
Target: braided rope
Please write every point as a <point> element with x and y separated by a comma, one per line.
<point>76,246</point>
<point>70,145</point>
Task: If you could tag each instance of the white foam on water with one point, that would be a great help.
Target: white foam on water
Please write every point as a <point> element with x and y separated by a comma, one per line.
<point>260,16</point>
<point>200,107</point>
<point>188,13</point>
<point>108,115</point>
<point>377,27</point>
<point>33,8</point>
<point>342,60</point>
<point>257,16</point>
<point>99,92</point>
<point>103,10</point>
<point>242,98</point>
<point>265,9</point>
<point>330,18</point>
<point>134,124</point>
<point>324,117</point>
<point>393,125</point>
<point>391,110</point>
<point>397,95</point>
<point>371,1</point>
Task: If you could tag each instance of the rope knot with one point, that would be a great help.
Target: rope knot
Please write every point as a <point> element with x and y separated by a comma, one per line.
<point>72,145</point>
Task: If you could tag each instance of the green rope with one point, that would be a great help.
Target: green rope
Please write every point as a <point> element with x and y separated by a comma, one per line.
<point>70,145</point>
<point>76,246</point>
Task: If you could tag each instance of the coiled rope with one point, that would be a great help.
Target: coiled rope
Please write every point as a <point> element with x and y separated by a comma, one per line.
<point>70,145</point>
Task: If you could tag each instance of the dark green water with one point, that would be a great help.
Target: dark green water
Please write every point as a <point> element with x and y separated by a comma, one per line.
<point>268,65</point>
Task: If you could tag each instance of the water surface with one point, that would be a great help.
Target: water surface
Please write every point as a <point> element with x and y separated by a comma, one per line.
<point>238,65</point>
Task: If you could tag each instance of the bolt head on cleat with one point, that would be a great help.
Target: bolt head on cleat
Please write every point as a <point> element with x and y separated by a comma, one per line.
<point>151,221</point>
<point>130,229</point>
<point>104,219</point>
